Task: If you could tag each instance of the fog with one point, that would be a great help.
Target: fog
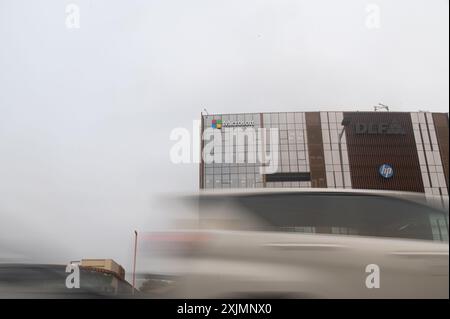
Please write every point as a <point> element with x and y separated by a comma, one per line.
<point>86,113</point>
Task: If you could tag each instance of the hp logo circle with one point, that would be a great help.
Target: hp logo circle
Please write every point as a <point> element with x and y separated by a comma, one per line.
<point>386,171</point>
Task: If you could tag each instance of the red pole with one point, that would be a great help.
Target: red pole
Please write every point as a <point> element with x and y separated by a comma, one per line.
<point>134,261</point>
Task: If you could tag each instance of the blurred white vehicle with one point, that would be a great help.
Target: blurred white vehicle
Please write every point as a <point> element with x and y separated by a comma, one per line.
<point>302,244</point>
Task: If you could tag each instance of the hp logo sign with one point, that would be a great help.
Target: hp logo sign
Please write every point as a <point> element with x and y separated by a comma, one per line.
<point>386,171</point>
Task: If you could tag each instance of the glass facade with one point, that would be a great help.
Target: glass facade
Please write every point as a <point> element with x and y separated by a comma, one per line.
<point>340,156</point>
<point>242,172</point>
<point>235,169</point>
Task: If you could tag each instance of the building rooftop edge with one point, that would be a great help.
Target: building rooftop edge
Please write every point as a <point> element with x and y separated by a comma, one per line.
<point>344,111</point>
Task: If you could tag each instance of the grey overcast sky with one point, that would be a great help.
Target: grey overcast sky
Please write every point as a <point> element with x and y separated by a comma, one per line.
<point>85,114</point>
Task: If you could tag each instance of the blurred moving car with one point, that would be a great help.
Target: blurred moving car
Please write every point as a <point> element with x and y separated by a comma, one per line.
<point>302,244</point>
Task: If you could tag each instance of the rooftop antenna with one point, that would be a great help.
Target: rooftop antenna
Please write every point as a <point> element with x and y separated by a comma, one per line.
<point>380,107</point>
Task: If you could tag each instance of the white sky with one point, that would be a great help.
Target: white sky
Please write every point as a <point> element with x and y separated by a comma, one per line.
<point>85,114</point>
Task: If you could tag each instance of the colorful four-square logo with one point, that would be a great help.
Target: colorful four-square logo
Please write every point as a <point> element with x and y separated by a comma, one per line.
<point>216,124</point>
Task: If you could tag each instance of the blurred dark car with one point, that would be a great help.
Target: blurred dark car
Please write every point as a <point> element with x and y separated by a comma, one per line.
<point>49,281</point>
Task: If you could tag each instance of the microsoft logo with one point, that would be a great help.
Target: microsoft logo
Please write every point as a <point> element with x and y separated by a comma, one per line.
<point>240,123</point>
<point>216,124</point>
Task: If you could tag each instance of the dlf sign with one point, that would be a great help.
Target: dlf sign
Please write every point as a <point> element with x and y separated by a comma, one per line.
<point>379,128</point>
